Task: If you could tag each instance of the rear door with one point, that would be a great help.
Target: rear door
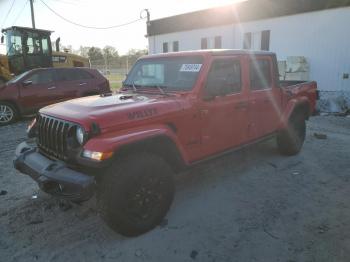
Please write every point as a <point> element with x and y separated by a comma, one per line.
<point>73,83</point>
<point>264,97</point>
<point>223,108</point>
<point>37,90</point>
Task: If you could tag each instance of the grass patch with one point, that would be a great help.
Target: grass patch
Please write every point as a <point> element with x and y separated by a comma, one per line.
<point>115,81</point>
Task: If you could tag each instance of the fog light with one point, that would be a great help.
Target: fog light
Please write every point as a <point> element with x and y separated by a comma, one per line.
<point>98,156</point>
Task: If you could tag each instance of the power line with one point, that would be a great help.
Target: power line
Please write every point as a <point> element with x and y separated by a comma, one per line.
<point>19,14</point>
<point>3,23</point>
<point>89,27</point>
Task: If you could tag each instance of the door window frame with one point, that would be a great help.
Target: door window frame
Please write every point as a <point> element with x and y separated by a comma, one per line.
<point>53,74</point>
<point>242,82</point>
<point>272,77</point>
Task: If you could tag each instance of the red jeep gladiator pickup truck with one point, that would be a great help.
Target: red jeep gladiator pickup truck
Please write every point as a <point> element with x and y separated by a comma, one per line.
<point>174,110</point>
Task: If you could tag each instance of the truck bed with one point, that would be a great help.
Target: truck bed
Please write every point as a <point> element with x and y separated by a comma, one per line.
<point>299,89</point>
<point>286,83</point>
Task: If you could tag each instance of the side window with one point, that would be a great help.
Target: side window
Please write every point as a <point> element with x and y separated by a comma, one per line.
<point>204,43</point>
<point>165,47</point>
<point>175,46</point>
<point>64,75</point>
<point>41,77</point>
<point>224,78</point>
<point>33,45</point>
<point>260,74</point>
<point>72,74</point>
<point>83,74</point>
<point>45,45</point>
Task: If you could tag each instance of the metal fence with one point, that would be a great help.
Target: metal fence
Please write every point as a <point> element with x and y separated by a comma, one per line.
<point>114,72</point>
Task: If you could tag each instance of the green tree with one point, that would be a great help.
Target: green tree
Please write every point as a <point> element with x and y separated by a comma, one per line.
<point>110,54</point>
<point>95,54</point>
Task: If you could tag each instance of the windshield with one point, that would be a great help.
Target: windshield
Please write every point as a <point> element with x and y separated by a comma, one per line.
<point>14,43</point>
<point>30,43</point>
<point>16,78</point>
<point>172,73</point>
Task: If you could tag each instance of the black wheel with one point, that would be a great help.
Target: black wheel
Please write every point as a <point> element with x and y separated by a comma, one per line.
<point>291,140</point>
<point>8,114</point>
<point>135,193</point>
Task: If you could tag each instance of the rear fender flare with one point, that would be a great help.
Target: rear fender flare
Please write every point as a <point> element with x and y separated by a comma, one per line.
<point>300,103</point>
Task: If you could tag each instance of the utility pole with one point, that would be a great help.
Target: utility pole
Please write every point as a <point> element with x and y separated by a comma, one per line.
<point>32,12</point>
<point>148,18</point>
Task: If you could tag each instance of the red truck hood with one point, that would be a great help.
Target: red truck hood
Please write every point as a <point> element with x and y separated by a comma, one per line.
<point>113,111</point>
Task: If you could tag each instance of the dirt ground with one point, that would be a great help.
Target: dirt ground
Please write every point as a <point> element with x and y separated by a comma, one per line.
<point>253,205</point>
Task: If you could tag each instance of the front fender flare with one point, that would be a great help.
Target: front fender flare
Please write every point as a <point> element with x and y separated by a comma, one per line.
<point>113,141</point>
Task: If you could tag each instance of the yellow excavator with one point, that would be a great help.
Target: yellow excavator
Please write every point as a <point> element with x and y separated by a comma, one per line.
<point>29,48</point>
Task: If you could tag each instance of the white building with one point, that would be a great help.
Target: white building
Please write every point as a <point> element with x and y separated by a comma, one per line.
<point>318,30</point>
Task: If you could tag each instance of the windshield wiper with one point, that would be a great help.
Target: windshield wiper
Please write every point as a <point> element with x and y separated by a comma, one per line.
<point>133,86</point>
<point>161,89</point>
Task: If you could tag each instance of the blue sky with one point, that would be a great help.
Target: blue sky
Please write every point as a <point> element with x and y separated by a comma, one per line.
<point>100,13</point>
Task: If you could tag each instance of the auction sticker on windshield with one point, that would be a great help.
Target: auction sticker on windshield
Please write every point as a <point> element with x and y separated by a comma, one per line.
<point>190,67</point>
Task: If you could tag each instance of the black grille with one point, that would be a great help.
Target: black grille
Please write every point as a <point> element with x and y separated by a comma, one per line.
<point>52,136</point>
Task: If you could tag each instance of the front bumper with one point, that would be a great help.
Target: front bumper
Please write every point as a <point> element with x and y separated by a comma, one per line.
<point>53,177</point>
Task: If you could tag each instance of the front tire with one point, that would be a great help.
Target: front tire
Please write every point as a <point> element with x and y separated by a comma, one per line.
<point>291,140</point>
<point>8,113</point>
<point>135,193</point>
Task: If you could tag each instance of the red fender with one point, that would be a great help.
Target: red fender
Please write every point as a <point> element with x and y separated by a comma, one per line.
<point>111,142</point>
<point>291,106</point>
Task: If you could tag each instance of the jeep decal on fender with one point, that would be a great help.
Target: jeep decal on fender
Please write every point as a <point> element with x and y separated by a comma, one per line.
<point>142,114</point>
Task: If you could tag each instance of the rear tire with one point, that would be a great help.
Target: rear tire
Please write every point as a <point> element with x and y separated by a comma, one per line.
<point>290,141</point>
<point>135,193</point>
<point>8,113</point>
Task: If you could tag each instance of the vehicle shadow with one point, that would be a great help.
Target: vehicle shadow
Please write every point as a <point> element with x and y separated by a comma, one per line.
<point>231,164</point>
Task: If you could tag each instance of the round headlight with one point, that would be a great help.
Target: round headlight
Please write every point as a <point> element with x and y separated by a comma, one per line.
<point>80,133</point>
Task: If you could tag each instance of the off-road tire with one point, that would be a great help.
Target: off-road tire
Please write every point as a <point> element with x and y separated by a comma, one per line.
<point>7,107</point>
<point>135,193</point>
<point>290,141</point>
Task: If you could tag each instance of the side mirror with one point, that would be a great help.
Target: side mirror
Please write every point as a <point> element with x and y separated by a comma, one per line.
<point>27,83</point>
<point>2,39</point>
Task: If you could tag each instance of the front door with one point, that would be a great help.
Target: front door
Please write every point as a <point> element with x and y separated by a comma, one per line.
<point>223,108</point>
<point>37,90</point>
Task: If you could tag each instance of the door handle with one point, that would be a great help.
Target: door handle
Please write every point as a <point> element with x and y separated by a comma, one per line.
<point>82,84</point>
<point>204,113</point>
<point>51,87</point>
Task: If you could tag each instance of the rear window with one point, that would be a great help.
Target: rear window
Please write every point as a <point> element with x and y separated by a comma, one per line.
<point>260,74</point>
<point>82,74</point>
<point>72,74</point>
